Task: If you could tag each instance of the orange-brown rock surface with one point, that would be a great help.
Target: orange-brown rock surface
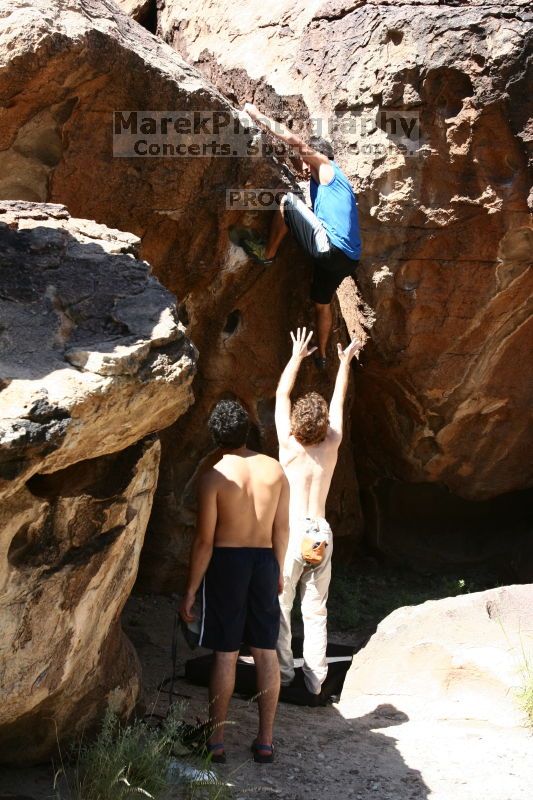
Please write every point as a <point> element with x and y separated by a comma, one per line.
<point>92,362</point>
<point>66,68</point>
<point>93,359</point>
<point>441,416</point>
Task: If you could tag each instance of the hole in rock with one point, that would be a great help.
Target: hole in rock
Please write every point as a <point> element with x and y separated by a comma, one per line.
<point>183,314</point>
<point>394,36</point>
<point>445,88</point>
<point>233,322</point>
<point>148,16</point>
<point>101,477</point>
<point>83,501</point>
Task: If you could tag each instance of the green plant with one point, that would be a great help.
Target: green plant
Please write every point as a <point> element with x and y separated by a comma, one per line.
<point>139,759</point>
<point>525,691</point>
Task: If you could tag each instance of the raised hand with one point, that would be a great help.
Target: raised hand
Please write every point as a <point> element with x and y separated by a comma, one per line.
<point>300,344</point>
<point>252,111</point>
<point>353,349</point>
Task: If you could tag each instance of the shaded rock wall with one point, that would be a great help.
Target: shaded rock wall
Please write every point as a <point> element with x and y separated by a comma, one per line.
<point>92,363</point>
<point>442,402</point>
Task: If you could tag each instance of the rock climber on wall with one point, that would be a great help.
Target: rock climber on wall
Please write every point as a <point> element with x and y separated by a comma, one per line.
<point>328,231</point>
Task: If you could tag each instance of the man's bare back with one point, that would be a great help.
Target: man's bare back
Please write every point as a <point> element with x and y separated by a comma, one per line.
<point>248,488</point>
<point>309,467</point>
<point>309,470</point>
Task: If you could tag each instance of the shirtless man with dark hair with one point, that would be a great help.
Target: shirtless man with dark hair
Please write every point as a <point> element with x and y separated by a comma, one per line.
<point>308,448</point>
<point>237,558</point>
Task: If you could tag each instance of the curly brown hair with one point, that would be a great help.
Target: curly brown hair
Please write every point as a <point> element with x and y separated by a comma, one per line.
<point>310,419</point>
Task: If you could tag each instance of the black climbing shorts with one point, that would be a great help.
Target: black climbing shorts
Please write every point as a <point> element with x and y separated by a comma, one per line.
<point>330,265</point>
<point>326,282</point>
<point>239,599</point>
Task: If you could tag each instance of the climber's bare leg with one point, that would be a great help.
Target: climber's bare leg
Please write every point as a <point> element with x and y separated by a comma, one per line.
<point>278,231</point>
<point>324,323</point>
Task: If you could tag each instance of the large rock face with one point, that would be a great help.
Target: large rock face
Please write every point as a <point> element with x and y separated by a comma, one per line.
<point>92,362</point>
<point>93,355</point>
<point>62,76</point>
<point>462,658</point>
<point>441,411</point>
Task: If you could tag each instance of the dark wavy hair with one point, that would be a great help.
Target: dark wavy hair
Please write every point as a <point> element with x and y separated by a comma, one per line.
<point>310,419</point>
<point>229,424</point>
<point>322,146</point>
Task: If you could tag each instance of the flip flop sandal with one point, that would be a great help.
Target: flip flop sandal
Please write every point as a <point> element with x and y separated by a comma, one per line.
<point>216,758</point>
<point>263,753</point>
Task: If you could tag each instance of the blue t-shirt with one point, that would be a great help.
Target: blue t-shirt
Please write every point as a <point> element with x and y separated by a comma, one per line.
<point>335,205</point>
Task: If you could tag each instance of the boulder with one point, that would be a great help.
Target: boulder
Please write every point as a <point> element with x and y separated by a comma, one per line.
<point>70,546</point>
<point>93,355</point>
<point>92,363</point>
<point>461,658</point>
<point>65,68</point>
<point>441,424</point>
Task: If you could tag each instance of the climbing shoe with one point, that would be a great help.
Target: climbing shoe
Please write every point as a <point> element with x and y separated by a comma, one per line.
<point>256,250</point>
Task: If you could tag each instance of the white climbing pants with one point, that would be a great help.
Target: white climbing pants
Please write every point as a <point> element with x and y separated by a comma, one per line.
<point>314,587</point>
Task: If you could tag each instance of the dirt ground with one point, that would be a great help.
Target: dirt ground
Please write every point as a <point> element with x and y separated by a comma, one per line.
<point>382,756</point>
<point>320,754</point>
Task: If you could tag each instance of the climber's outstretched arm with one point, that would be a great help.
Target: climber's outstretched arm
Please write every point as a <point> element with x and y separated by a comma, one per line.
<point>336,407</point>
<point>300,350</point>
<point>307,153</point>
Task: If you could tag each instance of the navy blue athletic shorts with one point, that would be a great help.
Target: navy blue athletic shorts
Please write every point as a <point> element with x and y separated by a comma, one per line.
<point>330,264</point>
<point>240,602</point>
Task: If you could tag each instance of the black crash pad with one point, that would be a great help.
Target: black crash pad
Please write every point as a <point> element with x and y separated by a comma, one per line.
<point>197,671</point>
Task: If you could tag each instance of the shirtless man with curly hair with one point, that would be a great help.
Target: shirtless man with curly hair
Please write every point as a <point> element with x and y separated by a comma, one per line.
<point>309,436</point>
